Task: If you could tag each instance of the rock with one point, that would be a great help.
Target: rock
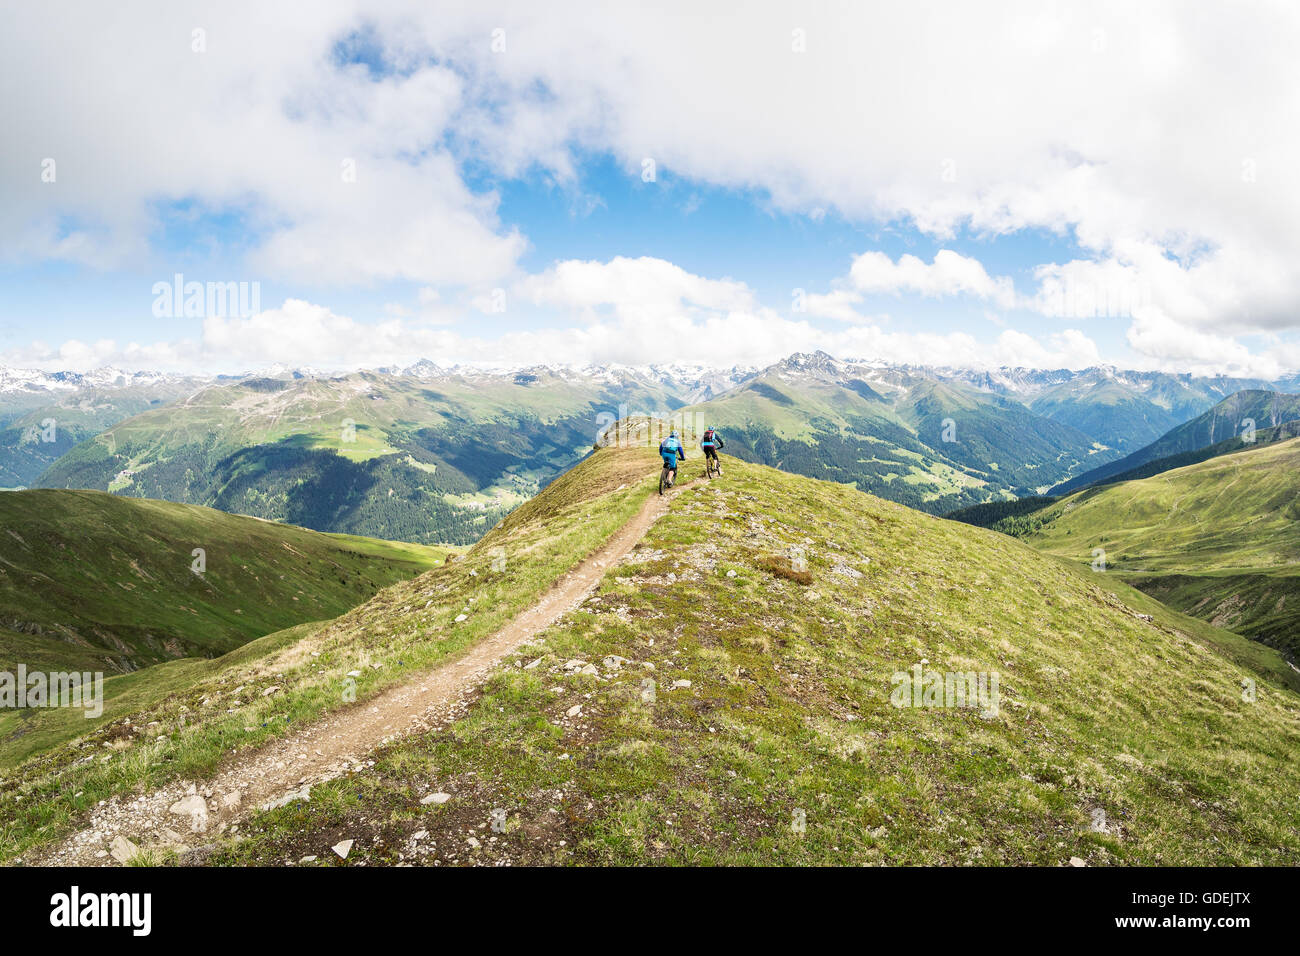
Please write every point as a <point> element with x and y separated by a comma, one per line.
<point>589,669</point>
<point>123,850</point>
<point>303,794</point>
<point>419,834</point>
<point>731,574</point>
<point>614,662</point>
<point>461,617</point>
<point>1075,861</point>
<point>342,849</point>
<point>573,711</point>
<point>574,665</point>
<point>529,666</point>
<point>308,859</point>
<point>436,798</point>
<point>270,690</point>
<point>354,673</point>
<point>681,683</point>
<point>473,841</point>
<point>194,807</point>
<point>232,799</point>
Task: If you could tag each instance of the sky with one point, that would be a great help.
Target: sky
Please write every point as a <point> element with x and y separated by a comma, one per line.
<point>219,188</point>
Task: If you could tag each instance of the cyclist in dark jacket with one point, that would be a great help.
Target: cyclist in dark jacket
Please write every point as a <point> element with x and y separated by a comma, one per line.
<point>711,444</point>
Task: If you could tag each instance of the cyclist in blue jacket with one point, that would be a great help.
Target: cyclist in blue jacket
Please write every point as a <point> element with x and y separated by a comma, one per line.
<point>670,450</point>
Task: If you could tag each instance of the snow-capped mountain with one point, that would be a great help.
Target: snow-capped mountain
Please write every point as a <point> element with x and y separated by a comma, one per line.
<point>694,382</point>
<point>29,380</point>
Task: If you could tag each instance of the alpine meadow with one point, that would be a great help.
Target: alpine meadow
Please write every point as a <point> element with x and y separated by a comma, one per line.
<point>853,439</point>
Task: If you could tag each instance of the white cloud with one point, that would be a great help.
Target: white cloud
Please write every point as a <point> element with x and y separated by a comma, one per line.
<point>644,289</point>
<point>629,311</point>
<point>949,274</point>
<point>838,304</point>
<point>1156,135</point>
<point>339,178</point>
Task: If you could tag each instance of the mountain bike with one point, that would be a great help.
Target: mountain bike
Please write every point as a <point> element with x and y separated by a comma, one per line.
<point>666,479</point>
<point>712,467</point>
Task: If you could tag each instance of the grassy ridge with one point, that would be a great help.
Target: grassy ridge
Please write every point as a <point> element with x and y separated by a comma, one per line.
<point>1263,436</point>
<point>91,580</point>
<point>1226,420</point>
<point>768,735</point>
<point>182,719</point>
<point>1219,540</point>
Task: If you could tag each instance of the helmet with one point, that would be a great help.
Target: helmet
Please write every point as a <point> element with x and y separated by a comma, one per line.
<point>673,433</point>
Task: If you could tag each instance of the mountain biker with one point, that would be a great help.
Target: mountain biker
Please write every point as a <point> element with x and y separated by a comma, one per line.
<point>670,449</point>
<point>711,444</point>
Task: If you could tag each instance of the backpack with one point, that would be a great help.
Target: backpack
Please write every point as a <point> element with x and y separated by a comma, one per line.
<point>708,437</point>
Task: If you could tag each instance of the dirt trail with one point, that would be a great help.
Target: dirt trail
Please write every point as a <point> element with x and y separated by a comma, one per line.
<point>332,745</point>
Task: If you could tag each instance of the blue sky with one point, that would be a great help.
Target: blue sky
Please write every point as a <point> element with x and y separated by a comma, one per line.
<point>469,187</point>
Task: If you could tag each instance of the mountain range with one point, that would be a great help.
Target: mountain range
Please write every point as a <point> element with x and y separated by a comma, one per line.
<point>429,453</point>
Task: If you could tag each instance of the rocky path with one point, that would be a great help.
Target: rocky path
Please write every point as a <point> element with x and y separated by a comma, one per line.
<point>182,815</point>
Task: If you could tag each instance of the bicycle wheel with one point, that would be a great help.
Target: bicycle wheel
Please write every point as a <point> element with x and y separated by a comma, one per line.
<point>663,481</point>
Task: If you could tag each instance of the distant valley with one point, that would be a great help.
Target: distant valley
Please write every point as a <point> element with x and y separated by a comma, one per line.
<point>438,455</point>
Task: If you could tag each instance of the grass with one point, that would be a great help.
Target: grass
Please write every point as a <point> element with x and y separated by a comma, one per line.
<point>737,717</point>
<point>110,584</point>
<point>1219,539</point>
<point>182,720</point>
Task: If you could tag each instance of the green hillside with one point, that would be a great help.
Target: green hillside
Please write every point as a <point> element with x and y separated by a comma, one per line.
<point>738,709</point>
<point>97,582</point>
<point>1222,423</point>
<point>1219,540</point>
<point>1106,411</point>
<point>1262,436</point>
<point>933,446</point>
<point>36,430</point>
<point>379,455</point>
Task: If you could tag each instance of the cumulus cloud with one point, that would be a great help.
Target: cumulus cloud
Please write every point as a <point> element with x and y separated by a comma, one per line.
<point>628,311</point>
<point>1155,137</point>
<point>639,289</point>
<point>950,274</point>
<point>339,176</point>
<point>839,304</point>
